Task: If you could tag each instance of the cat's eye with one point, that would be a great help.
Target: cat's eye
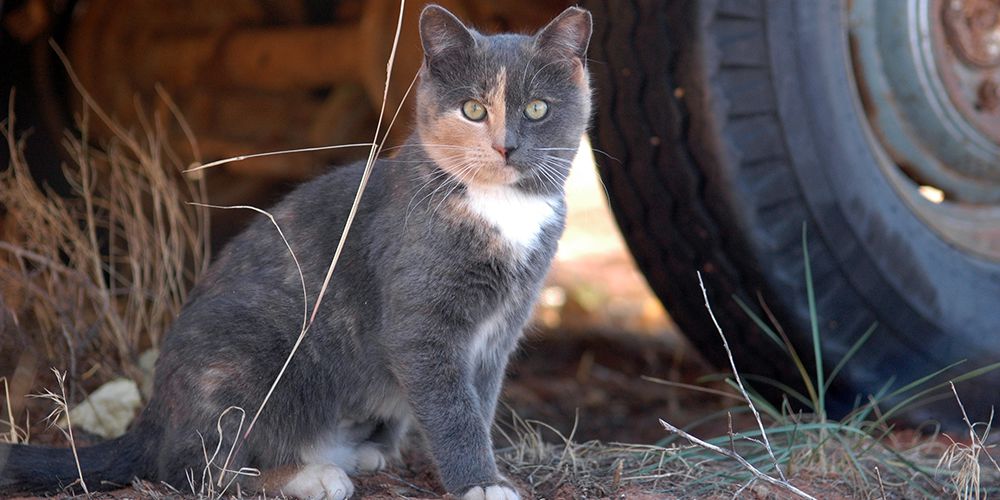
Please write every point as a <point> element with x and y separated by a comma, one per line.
<point>536,110</point>
<point>474,110</point>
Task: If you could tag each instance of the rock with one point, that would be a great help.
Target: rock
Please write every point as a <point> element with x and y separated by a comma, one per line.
<point>109,410</point>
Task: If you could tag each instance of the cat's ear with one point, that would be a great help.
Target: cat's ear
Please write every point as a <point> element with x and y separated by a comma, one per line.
<point>441,32</point>
<point>568,35</point>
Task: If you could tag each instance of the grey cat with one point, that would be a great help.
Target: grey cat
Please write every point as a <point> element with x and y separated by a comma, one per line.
<point>450,246</point>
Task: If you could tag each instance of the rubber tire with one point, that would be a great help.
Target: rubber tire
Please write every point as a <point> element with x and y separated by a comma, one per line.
<point>731,125</point>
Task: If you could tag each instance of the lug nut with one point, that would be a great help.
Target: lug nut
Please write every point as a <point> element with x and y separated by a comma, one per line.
<point>988,96</point>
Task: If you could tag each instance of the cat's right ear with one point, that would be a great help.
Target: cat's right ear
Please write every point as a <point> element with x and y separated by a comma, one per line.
<point>441,32</point>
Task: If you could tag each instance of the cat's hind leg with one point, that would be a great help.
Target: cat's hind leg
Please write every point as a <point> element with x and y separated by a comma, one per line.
<point>358,446</point>
<point>382,445</point>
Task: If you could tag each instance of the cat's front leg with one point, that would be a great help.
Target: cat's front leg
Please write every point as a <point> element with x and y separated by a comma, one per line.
<point>489,374</point>
<point>440,389</point>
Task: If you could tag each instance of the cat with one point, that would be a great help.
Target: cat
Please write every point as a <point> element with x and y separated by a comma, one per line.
<point>452,240</point>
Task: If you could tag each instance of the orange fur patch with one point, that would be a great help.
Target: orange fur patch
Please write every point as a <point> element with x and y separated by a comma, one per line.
<point>464,148</point>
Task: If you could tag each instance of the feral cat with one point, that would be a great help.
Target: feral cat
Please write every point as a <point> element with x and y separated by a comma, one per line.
<point>451,242</point>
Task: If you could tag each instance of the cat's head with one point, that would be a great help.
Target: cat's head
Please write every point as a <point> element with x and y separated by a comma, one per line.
<point>504,109</point>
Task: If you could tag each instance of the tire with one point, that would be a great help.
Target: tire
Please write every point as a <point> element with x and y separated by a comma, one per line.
<point>731,125</point>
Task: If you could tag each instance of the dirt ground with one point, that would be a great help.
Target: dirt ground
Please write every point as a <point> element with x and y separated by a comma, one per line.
<point>583,387</point>
<point>588,382</point>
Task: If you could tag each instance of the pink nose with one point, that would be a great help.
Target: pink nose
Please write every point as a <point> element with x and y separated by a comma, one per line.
<point>500,149</point>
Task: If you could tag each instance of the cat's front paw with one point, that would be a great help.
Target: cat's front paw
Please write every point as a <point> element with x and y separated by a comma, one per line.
<point>319,481</point>
<point>495,492</point>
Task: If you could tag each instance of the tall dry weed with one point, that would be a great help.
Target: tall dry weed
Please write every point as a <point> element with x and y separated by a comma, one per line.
<point>93,279</point>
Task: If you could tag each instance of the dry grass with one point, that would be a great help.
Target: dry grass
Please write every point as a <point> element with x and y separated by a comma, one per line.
<point>61,409</point>
<point>93,279</point>
<point>15,434</point>
<point>965,460</point>
<point>854,464</point>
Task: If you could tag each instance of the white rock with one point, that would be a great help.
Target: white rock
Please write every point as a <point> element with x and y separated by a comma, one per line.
<point>109,410</point>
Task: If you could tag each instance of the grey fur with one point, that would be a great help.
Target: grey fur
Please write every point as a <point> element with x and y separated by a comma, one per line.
<point>416,282</point>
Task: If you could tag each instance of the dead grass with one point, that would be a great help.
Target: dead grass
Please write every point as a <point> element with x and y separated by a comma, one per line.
<point>93,279</point>
<point>965,460</point>
<point>61,409</point>
<point>855,464</point>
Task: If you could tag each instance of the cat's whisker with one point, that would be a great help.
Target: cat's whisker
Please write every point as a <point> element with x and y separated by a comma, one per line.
<point>457,177</point>
<point>556,171</point>
<point>542,174</point>
<point>596,150</point>
<point>561,160</point>
<point>460,182</point>
<point>445,159</point>
<point>557,177</point>
<point>430,179</point>
<point>437,175</point>
<point>559,167</point>
<point>450,184</point>
<point>426,179</point>
<point>598,176</point>
<point>426,144</point>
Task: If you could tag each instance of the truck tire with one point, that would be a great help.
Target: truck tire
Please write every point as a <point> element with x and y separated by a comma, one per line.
<point>727,128</point>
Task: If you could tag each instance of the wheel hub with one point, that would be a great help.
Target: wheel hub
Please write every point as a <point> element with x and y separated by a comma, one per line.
<point>973,30</point>
<point>969,61</point>
<point>928,76</point>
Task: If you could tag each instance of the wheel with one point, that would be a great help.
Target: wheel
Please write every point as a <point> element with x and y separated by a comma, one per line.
<point>731,126</point>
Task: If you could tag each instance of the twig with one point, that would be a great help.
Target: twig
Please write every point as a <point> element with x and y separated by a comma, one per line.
<point>368,168</point>
<point>216,163</point>
<point>739,380</point>
<point>347,224</point>
<point>690,387</point>
<point>407,483</point>
<point>881,486</point>
<point>781,483</point>
<point>967,479</point>
<point>976,439</point>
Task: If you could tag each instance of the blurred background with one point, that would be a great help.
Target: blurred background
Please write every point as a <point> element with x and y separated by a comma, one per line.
<point>187,81</point>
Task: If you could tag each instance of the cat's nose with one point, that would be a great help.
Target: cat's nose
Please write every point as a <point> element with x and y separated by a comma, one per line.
<point>505,151</point>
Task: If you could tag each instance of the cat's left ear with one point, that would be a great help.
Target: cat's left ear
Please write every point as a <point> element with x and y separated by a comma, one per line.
<point>568,35</point>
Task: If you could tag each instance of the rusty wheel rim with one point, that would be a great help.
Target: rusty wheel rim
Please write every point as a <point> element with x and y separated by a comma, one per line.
<point>926,73</point>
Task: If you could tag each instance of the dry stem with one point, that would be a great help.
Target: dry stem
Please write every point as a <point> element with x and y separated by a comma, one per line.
<point>784,484</point>
<point>62,409</point>
<point>739,380</point>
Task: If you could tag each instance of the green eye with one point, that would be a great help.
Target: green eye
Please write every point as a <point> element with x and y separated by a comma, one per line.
<point>474,110</point>
<point>536,110</point>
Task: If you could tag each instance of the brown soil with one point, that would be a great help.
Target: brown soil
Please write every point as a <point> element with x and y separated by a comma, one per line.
<point>590,383</point>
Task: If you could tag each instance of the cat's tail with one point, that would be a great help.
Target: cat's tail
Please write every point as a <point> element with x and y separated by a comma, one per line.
<point>107,465</point>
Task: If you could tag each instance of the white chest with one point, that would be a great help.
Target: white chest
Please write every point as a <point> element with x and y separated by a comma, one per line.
<point>519,217</point>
